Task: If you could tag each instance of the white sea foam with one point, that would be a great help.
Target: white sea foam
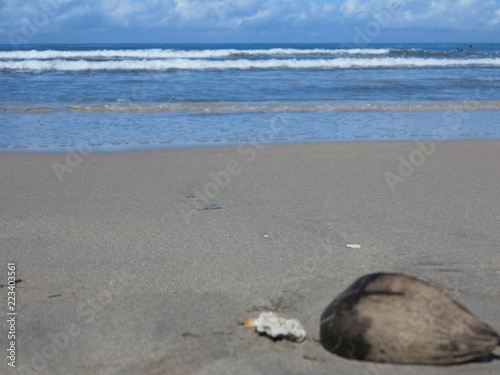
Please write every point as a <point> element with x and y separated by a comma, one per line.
<point>201,64</point>
<point>183,54</point>
<point>205,107</point>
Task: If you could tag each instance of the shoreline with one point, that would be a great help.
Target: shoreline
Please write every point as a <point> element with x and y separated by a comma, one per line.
<point>86,149</point>
<point>124,271</point>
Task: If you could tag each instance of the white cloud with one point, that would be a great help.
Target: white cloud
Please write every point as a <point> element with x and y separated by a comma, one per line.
<point>80,16</point>
<point>354,7</point>
<point>495,21</point>
<point>428,14</point>
<point>171,13</point>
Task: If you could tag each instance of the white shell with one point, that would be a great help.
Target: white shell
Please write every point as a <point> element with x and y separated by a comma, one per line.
<point>353,246</point>
<point>277,326</point>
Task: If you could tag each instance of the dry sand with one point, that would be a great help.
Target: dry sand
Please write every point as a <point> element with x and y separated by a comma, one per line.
<point>124,272</point>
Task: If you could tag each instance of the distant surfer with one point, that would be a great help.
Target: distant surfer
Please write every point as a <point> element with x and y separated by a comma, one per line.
<point>470,48</point>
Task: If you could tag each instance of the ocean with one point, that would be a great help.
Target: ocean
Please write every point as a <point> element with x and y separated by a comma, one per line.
<point>115,97</point>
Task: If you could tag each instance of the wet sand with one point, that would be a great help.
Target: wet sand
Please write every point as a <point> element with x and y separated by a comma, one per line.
<point>124,271</point>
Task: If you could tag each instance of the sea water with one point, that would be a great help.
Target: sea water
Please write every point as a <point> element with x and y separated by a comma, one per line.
<point>141,96</point>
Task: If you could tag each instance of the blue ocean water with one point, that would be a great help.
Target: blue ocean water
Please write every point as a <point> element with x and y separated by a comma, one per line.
<point>119,97</point>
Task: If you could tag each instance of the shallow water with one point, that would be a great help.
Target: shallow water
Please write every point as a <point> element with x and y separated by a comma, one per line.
<point>114,97</point>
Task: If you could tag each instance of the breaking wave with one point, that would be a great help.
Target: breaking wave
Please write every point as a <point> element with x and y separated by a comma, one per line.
<point>184,54</point>
<point>204,64</point>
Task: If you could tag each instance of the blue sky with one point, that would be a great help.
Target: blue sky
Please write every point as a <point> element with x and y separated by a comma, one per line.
<point>218,21</point>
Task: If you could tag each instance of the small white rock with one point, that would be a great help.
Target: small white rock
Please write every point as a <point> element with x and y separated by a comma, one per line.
<point>353,246</point>
<point>277,326</point>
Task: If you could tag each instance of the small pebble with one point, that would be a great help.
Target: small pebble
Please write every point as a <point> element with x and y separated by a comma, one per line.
<point>191,334</point>
<point>309,357</point>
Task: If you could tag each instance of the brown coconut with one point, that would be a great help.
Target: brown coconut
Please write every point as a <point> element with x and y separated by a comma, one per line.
<point>397,318</point>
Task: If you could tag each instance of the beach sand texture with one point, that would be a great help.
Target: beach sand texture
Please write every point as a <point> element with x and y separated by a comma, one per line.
<point>124,271</point>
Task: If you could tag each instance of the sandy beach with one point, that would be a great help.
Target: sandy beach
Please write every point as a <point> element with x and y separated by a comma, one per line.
<point>125,271</point>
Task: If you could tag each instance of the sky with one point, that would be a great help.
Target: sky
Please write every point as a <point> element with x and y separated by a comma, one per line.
<point>248,21</point>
